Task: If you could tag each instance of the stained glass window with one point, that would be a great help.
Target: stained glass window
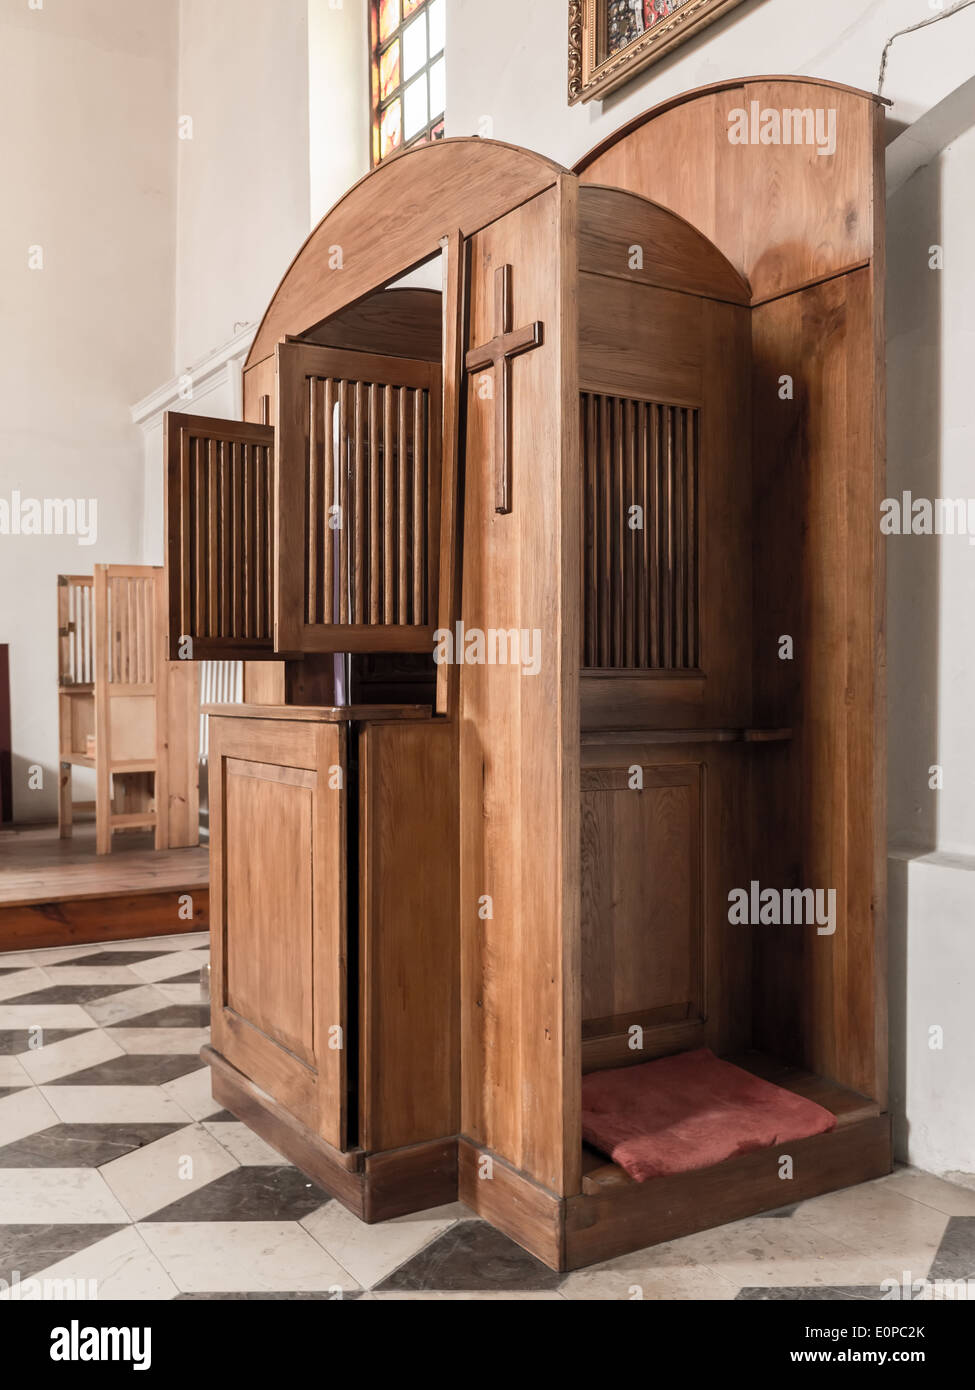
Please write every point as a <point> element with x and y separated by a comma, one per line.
<point>408,86</point>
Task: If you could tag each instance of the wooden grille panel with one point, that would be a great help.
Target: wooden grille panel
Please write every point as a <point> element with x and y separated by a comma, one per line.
<point>130,629</point>
<point>76,627</point>
<point>367,475</point>
<point>220,519</point>
<point>640,582</point>
<point>357,501</point>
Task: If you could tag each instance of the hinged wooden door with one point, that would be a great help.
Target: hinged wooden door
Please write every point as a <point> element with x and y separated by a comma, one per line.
<point>357,498</point>
<point>278,912</point>
<point>219,534</point>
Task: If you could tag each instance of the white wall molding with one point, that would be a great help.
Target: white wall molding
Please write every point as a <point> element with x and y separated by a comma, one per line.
<point>222,366</point>
<point>930,134</point>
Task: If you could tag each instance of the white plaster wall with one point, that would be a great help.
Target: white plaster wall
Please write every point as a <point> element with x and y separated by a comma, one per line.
<point>931,666</point>
<point>956,676</point>
<point>507,61</point>
<point>932,1028</point>
<point>88,111</point>
<point>244,176</point>
<point>931,444</point>
<point>214,388</point>
<point>338,99</point>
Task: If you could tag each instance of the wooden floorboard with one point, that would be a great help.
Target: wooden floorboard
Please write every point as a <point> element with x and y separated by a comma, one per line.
<point>59,892</point>
<point>36,866</point>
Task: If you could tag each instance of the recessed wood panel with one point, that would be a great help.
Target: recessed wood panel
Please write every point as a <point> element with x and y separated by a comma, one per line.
<point>636,340</point>
<point>132,728</point>
<point>269,954</point>
<point>278,860</point>
<point>642,885</point>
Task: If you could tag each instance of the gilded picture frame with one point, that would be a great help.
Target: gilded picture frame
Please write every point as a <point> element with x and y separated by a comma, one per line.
<point>612,40</point>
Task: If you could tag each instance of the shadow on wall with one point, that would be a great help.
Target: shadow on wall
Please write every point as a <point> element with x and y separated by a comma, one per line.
<point>914,464</point>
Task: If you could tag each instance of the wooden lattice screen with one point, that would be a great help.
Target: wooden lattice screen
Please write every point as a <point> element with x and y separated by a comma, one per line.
<point>640,520</point>
<point>358,501</point>
<point>76,628</point>
<point>131,631</point>
<point>220,519</point>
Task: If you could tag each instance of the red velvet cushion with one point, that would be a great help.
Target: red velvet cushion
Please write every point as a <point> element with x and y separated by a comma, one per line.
<point>690,1111</point>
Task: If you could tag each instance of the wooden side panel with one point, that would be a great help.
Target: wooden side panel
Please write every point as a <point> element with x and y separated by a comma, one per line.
<point>657,868</point>
<point>783,213</point>
<point>643,877</point>
<point>219,537</point>
<point>182,752</point>
<point>826,993</point>
<point>279,917</point>
<point>455,265</point>
<point>519,906</point>
<point>409,985</point>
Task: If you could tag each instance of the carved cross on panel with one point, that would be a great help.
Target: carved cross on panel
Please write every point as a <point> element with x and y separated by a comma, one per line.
<point>498,353</point>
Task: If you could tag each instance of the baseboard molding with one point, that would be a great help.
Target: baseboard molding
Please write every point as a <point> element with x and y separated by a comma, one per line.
<point>564,1233</point>
<point>512,1201</point>
<point>374,1187</point>
<point>121,917</point>
<point>629,1216</point>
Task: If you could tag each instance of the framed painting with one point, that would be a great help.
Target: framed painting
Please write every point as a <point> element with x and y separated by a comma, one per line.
<point>612,40</point>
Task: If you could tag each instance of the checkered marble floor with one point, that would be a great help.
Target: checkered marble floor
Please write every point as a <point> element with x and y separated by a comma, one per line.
<point>116,1166</point>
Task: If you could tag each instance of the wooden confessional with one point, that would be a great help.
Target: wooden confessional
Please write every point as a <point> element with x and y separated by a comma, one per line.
<point>625,469</point>
<point>124,709</point>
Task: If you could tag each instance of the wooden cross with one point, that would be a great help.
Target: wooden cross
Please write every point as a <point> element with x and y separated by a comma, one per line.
<point>498,352</point>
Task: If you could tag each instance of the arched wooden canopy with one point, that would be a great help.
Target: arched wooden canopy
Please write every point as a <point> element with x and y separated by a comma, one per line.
<point>784,215</point>
<point>392,219</point>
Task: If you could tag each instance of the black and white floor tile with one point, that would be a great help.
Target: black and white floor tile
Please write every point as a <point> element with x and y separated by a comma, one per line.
<point>117,1166</point>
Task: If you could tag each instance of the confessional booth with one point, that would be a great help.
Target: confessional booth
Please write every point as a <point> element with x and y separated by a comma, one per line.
<point>125,711</point>
<point>560,593</point>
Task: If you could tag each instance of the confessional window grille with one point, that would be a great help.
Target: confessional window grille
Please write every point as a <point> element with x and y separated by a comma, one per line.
<point>368,500</point>
<point>407,74</point>
<point>640,527</point>
<point>229,521</point>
